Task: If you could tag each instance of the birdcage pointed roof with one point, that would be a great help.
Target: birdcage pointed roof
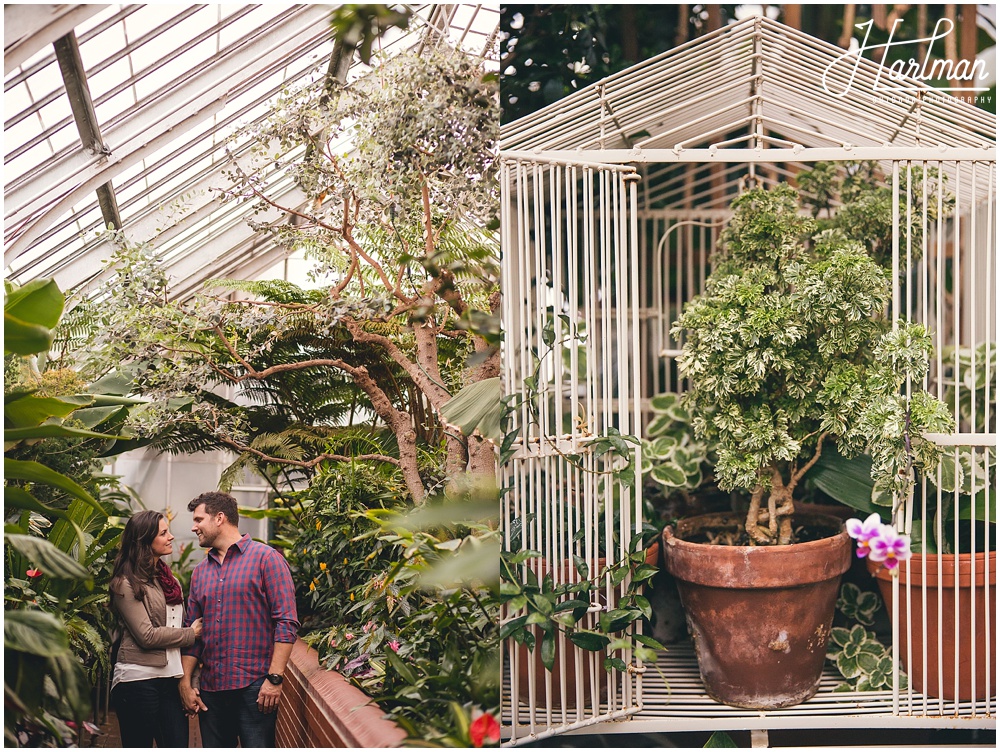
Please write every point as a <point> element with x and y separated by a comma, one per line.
<point>755,83</point>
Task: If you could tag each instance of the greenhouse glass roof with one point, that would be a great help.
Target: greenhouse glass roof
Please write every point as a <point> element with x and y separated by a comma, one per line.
<point>124,115</point>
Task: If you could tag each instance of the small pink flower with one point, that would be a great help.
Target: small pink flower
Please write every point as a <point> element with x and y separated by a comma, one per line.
<point>34,573</point>
<point>863,532</point>
<point>394,646</point>
<point>349,636</point>
<point>369,626</point>
<point>889,547</point>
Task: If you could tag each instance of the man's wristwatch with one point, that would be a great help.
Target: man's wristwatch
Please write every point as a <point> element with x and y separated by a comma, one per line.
<point>275,678</point>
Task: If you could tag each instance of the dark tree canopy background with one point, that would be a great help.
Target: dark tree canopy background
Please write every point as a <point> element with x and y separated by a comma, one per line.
<point>550,51</point>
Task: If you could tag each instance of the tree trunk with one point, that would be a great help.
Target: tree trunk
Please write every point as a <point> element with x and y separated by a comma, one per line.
<point>950,44</point>
<point>967,42</point>
<point>848,31</point>
<point>482,457</point>
<point>714,17</point>
<point>683,21</point>
<point>630,39</point>
<point>793,16</point>
<point>771,525</point>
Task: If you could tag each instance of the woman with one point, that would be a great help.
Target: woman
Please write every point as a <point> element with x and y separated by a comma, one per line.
<point>147,597</point>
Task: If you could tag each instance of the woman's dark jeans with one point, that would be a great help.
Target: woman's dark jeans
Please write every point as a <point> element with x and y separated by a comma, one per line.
<point>150,710</point>
<point>233,715</point>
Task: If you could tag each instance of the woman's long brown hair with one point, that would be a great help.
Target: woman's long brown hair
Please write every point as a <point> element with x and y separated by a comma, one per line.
<point>136,561</point>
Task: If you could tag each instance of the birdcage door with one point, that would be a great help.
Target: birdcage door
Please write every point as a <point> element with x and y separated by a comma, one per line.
<point>943,602</point>
<point>572,504</point>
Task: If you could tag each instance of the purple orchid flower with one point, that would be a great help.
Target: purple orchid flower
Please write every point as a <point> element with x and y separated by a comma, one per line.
<point>889,547</point>
<point>864,532</point>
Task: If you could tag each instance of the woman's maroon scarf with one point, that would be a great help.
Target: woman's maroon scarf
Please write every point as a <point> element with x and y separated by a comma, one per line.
<point>169,584</point>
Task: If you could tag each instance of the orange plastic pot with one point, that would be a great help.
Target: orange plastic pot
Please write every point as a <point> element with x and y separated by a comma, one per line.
<point>951,591</point>
<point>760,616</point>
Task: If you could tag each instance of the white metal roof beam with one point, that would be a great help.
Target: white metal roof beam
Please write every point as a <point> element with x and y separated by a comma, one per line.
<point>29,28</point>
<point>103,26</point>
<point>121,54</point>
<point>162,122</point>
<point>590,157</point>
<point>78,92</point>
<point>61,165</point>
<point>186,195</point>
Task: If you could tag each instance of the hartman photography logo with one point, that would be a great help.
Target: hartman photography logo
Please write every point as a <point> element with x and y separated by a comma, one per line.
<point>898,77</point>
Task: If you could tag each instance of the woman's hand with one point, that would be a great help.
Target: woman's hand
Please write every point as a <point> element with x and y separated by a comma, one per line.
<point>196,625</point>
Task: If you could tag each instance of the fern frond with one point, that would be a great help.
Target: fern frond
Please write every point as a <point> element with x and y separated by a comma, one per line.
<point>271,290</point>
<point>278,445</point>
<point>232,473</point>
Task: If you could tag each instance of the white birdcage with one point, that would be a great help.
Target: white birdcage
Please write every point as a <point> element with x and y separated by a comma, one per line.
<point>613,200</point>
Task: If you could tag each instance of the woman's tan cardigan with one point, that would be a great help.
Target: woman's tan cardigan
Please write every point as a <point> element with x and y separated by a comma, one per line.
<point>145,639</point>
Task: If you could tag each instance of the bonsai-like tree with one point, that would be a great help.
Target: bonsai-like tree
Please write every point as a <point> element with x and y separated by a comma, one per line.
<point>790,347</point>
<point>398,172</point>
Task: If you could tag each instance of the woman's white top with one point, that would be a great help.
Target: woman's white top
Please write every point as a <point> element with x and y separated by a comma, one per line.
<point>128,672</point>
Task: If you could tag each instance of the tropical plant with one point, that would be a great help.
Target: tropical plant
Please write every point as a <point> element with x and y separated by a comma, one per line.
<point>404,224</point>
<point>963,490</point>
<point>853,198</point>
<point>401,601</point>
<point>672,456</point>
<point>789,347</point>
<point>62,522</point>
<point>854,650</point>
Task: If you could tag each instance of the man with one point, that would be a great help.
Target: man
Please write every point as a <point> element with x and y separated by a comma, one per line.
<point>244,594</point>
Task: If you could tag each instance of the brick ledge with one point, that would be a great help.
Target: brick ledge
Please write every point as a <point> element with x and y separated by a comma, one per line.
<point>320,708</point>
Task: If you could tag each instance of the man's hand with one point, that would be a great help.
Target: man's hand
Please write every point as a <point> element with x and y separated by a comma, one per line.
<point>267,698</point>
<point>190,698</point>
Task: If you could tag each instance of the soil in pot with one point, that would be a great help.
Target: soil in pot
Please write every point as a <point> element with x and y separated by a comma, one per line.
<point>971,640</point>
<point>760,616</point>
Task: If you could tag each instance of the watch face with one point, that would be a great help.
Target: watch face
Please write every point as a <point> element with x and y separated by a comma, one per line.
<point>275,678</point>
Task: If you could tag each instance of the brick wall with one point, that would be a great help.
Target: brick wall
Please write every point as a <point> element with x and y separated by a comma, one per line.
<point>320,708</point>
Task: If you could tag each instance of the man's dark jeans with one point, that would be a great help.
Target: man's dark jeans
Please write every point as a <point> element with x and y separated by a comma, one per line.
<point>150,710</point>
<point>233,715</point>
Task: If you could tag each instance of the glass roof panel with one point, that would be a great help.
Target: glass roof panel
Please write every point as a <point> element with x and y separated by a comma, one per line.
<point>158,72</point>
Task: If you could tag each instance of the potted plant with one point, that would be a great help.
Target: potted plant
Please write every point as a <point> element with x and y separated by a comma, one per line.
<point>950,565</point>
<point>788,349</point>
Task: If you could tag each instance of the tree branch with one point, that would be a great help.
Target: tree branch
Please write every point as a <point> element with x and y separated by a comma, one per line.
<point>797,476</point>
<point>307,464</point>
<point>437,394</point>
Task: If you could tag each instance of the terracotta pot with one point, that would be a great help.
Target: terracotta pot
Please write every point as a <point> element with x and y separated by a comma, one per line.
<point>560,685</point>
<point>941,577</point>
<point>760,616</point>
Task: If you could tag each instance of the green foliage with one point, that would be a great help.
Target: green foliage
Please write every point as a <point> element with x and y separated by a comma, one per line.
<point>970,379</point>
<point>865,210</point>
<point>62,525</point>
<point>538,601</point>
<point>790,345</point>
<point>775,345</point>
<point>671,454</point>
<point>857,604</point>
<point>30,313</point>
<point>380,599</point>
<point>477,407</point>
<point>720,740</point>
<point>861,659</point>
<point>857,654</point>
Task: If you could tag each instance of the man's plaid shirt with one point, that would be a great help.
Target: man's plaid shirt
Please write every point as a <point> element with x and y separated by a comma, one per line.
<point>248,604</point>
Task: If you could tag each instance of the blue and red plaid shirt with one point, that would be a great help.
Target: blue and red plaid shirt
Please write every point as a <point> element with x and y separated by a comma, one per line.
<point>248,604</point>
